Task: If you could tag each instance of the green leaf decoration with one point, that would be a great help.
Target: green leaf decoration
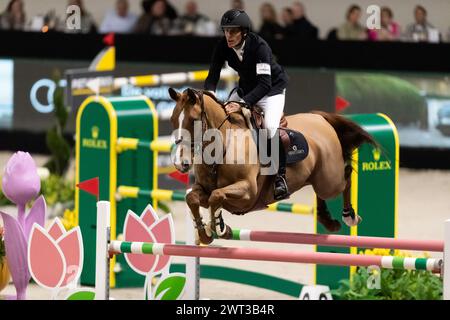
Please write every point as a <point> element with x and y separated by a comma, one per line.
<point>171,287</point>
<point>82,295</point>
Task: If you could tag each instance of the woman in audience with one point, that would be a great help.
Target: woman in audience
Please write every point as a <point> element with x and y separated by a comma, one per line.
<point>389,31</point>
<point>14,16</point>
<point>270,28</point>
<point>87,22</point>
<point>287,16</point>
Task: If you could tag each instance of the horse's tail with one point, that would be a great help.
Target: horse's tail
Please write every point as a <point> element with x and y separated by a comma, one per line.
<point>350,134</point>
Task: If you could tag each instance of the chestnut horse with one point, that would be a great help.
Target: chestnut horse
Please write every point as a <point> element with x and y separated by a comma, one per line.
<point>240,188</point>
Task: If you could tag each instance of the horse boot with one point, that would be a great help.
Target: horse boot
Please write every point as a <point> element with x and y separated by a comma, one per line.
<point>218,225</point>
<point>350,218</point>
<point>280,186</point>
<point>203,234</point>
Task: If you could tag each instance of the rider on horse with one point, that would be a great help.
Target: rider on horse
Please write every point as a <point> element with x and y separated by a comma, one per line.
<point>262,82</point>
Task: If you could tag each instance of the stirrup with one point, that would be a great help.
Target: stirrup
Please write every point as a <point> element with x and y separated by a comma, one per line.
<point>283,195</point>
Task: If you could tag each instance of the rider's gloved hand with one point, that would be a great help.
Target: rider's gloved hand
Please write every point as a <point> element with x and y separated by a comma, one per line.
<point>232,107</point>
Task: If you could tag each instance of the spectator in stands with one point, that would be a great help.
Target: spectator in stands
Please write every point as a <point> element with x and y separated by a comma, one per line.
<point>421,29</point>
<point>87,21</point>
<point>194,23</point>
<point>352,28</point>
<point>304,29</point>
<point>14,17</point>
<point>170,11</point>
<point>287,16</point>
<point>448,35</point>
<point>237,4</point>
<point>389,31</point>
<point>119,20</point>
<point>145,19</point>
<point>270,28</point>
<point>160,23</point>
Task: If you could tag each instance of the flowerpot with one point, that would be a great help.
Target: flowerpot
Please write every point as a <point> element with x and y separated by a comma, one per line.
<point>4,274</point>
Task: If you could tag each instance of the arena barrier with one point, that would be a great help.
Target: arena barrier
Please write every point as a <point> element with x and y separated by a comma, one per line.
<point>441,266</point>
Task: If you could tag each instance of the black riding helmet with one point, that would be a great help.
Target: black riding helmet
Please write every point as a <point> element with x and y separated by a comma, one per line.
<point>236,18</point>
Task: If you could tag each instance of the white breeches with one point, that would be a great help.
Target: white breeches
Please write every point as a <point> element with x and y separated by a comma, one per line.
<point>273,107</point>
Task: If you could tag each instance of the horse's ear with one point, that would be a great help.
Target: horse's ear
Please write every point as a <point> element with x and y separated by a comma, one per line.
<point>174,94</point>
<point>192,96</point>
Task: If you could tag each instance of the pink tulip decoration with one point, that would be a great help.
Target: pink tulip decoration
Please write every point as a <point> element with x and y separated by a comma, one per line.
<point>148,228</point>
<point>55,257</point>
<point>21,184</point>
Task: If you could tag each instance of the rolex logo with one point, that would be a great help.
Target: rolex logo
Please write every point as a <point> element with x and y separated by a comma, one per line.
<point>376,154</point>
<point>95,130</point>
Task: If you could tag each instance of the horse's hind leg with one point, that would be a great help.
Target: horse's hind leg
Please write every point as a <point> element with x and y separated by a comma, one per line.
<point>348,214</point>
<point>193,200</point>
<point>236,191</point>
<point>324,217</point>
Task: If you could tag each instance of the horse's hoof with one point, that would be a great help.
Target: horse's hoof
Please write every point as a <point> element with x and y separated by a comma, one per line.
<point>350,217</point>
<point>205,239</point>
<point>332,225</point>
<point>203,235</point>
<point>352,222</point>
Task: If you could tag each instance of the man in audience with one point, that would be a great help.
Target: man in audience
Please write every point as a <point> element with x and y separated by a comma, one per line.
<point>194,23</point>
<point>421,29</point>
<point>237,4</point>
<point>352,28</point>
<point>119,20</point>
<point>304,29</point>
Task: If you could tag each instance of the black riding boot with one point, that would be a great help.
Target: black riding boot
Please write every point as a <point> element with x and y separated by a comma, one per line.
<point>280,186</point>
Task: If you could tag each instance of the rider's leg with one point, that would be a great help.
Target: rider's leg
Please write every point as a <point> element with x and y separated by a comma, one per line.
<point>273,107</point>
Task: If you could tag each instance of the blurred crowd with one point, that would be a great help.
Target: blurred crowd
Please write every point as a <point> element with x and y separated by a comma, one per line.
<point>160,17</point>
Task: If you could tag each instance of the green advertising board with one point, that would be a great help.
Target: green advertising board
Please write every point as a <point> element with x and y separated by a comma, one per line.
<point>100,122</point>
<point>374,193</point>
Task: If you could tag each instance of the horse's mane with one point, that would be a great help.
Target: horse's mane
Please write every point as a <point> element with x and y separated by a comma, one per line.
<point>236,118</point>
<point>213,96</point>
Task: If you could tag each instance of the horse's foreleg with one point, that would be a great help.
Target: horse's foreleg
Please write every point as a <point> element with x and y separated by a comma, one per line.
<point>235,191</point>
<point>348,214</point>
<point>193,200</point>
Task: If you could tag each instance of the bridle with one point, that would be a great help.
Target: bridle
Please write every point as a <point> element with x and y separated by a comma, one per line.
<point>206,124</point>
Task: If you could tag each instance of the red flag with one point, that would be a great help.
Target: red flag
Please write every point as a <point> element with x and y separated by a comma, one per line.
<point>341,104</point>
<point>109,39</point>
<point>90,186</point>
<point>181,177</point>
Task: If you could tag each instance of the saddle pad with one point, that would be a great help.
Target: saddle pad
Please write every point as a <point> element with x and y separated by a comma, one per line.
<point>298,148</point>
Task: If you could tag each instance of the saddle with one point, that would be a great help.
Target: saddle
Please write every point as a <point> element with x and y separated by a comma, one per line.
<point>294,143</point>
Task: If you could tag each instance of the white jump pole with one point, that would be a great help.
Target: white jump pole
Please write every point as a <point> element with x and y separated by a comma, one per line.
<point>446,272</point>
<point>102,251</point>
<point>192,291</point>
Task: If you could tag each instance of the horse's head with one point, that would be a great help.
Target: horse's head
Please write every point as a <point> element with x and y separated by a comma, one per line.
<point>187,110</point>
